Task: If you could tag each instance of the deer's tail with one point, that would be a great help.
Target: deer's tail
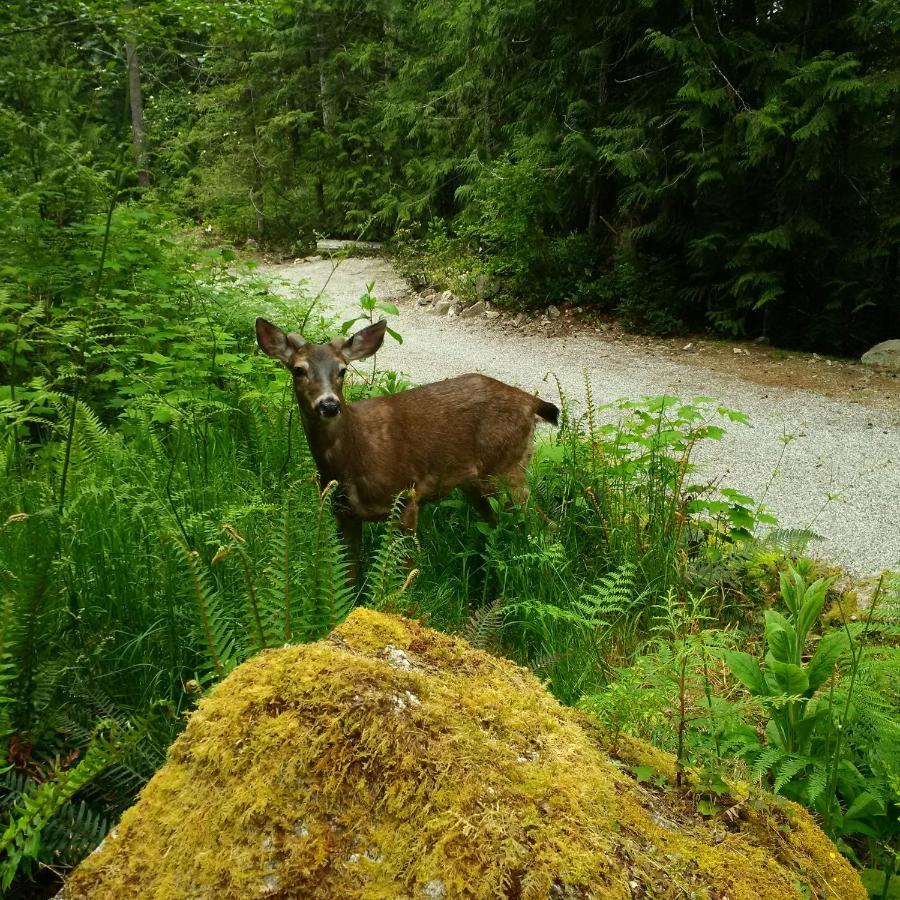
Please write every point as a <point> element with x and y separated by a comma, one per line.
<point>549,412</point>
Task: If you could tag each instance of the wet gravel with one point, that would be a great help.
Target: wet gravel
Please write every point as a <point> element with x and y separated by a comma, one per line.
<point>817,463</point>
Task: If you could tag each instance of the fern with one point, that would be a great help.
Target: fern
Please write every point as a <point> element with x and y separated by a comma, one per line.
<point>21,841</point>
<point>484,625</point>
<point>218,639</point>
<point>612,598</point>
<point>254,608</point>
<point>75,831</point>
<point>8,673</point>
<point>330,597</point>
<point>387,580</point>
<point>816,782</point>
<point>788,768</point>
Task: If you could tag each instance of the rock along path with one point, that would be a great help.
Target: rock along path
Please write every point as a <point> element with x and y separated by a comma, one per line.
<point>839,474</point>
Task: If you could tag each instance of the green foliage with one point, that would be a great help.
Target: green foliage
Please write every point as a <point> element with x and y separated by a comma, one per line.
<point>813,704</point>
<point>682,166</point>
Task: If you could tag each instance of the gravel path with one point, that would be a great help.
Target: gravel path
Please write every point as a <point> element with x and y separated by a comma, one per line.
<point>840,475</point>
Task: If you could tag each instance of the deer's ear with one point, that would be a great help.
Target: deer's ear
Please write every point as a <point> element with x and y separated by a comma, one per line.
<point>274,342</point>
<point>364,343</point>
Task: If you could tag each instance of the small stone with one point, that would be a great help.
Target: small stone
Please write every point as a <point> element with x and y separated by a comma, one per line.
<point>397,658</point>
<point>520,320</point>
<point>473,311</point>
<point>251,244</point>
<point>686,346</point>
<point>579,310</point>
<point>270,884</point>
<point>762,339</point>
<point>448,296</point>
<point>423,301</point>
<point>441,308</point>
<point>553,312</point>
<point>435,889</point>
<point>453,311</point>
<point>492,314</point>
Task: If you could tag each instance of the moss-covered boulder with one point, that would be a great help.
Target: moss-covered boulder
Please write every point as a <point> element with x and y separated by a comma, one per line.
<point>390,761</point>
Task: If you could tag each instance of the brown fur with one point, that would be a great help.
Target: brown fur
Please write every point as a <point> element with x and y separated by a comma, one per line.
<point>471,432</point>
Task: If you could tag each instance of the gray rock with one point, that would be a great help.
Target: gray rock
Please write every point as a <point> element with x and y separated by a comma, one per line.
<point>473,311</point>
<point>435,889</point>
<point>448,296</point>
<point>520,320</point>
<point>886,354</point>
<point>423,301</point>
<point>486,286</point>
<point>441,308</point>
<point>251,244</point>
<point>553,312</point>
<point>453,311</point>
<point>492,314</point>
<point>338,244</point>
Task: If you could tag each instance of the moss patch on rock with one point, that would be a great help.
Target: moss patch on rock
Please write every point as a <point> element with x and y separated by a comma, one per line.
<point>391,761</point>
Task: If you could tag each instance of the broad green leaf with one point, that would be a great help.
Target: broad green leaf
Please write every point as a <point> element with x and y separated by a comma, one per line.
<point>791,678</point>
<point>780,635</point>
<point>866,804</point>
<point>828,651</point>
<point>746,669</point>
<point>810,607</point>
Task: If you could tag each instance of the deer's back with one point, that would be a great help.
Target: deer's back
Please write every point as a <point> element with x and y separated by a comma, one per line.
<point>436,437</point>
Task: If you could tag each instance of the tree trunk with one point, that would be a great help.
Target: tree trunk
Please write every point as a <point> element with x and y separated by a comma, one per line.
<point>136,100</point>
<point>257,193</point>
<point>324,87</point>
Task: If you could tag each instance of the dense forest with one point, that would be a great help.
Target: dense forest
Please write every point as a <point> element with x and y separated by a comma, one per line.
<point>676,164</point>
<point>729,165</point>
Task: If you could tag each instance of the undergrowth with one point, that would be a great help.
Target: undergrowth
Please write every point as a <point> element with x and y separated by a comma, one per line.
<point>161,522</point>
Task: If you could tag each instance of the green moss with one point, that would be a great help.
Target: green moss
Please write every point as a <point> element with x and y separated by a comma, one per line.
<point>391,761</point>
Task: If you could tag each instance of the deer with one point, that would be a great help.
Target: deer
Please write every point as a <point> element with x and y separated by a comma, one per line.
<point>472,432</point>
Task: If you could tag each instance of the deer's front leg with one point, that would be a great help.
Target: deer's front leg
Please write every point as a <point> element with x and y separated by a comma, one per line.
<point>351,532</point>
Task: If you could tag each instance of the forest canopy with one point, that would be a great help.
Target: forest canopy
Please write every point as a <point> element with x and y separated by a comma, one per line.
<point>731,165</point>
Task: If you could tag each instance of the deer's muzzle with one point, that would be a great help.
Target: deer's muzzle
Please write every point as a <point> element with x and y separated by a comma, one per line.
<point>328,407</point>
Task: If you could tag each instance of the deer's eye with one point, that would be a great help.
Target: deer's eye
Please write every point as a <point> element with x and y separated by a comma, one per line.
<point>299,371</point>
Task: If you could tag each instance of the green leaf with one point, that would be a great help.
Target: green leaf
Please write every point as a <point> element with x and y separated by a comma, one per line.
<point>394,335</point>
<point>828,651</point>
<point>389,308</point>
<point>781,637</point>
<point>791,678</point>
<point>746,669</point>
<point>810,607</point>
<point>865,804</point>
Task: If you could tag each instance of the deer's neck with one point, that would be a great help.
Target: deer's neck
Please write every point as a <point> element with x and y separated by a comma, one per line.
<point>331,444</point>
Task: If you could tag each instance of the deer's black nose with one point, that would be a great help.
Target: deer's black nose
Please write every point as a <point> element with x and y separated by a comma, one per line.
<point>329,407</point>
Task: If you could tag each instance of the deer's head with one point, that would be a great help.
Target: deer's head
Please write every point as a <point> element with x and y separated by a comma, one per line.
<point>318,369</point>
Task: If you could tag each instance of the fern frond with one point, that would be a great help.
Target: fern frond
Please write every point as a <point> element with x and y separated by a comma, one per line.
<point>22,838</point>
<point>387,578</point>
<point>214,625</point>
<point>484,624</point>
